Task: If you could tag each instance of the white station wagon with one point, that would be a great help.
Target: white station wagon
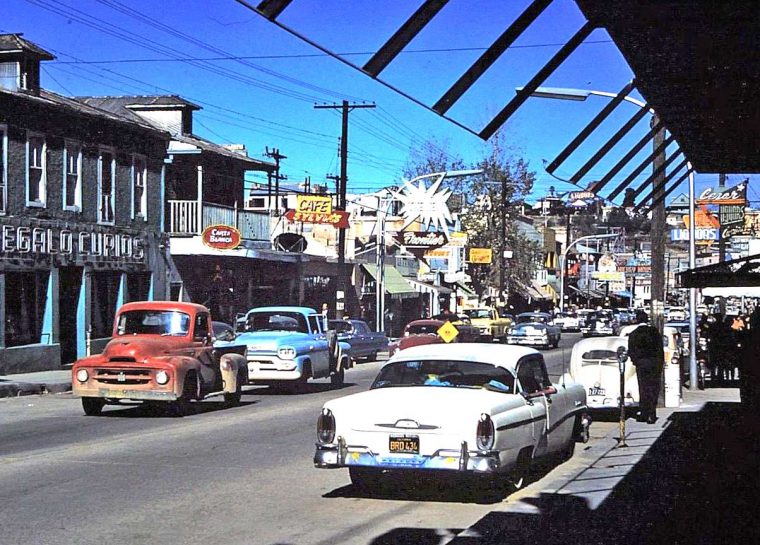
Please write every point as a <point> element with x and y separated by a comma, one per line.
<point>594,364</point>
<point>469,408</point>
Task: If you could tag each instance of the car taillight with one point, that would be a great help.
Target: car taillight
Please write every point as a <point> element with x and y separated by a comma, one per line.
<point>326,427</point>
<point>485,433</point>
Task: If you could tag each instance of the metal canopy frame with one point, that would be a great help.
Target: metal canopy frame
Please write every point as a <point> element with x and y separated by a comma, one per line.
<point>735,273</point>
<point>388,52</point>
<point>271,9</point>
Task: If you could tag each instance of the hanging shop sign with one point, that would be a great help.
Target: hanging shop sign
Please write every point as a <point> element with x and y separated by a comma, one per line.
<point>317,204</point>
<point>337,218</point>
<point>425,240</point>
<point>43,240</point>
<point>578,195</point>
<point>700,234</point>
<point>481,256</point>
<point>608,276</point>
<point>458,238</point>
<point>221,237</point>
<point>731,195</point>
<point>317,209</point>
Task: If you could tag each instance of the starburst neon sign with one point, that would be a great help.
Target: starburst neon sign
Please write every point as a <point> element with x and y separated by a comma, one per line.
<point>428,204</point>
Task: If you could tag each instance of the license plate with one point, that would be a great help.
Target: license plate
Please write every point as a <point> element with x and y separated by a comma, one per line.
<point>596,391</point>
<point>406,444</point>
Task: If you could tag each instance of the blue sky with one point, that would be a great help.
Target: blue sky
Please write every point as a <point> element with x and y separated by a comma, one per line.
<point>266,96</point>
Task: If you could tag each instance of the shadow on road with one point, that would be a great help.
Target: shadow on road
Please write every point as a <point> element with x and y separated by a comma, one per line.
<point>308,388</point>
<point>148,410</point>
<point>696,484</point>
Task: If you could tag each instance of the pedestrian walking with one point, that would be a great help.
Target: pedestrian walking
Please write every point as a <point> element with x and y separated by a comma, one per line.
<point>646,353</point>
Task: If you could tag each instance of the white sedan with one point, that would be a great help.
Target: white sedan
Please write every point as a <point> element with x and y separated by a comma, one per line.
<point>469,408</point>
<point>594,364</point>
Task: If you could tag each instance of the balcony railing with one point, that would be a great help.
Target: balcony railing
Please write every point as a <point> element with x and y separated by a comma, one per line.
<point>185,219</point>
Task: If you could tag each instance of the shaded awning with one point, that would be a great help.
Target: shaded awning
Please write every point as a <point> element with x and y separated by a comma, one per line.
<point>533,291</point>
<point>425,287</point>
<point>589,294</point>
<point>394,283</point>
<point>734,273</point>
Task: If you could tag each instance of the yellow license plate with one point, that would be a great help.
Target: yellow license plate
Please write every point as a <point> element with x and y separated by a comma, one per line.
<point>407,444</point>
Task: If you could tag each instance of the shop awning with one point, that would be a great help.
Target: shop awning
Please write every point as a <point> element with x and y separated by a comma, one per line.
<point>734,273</point>
<point>533,291</point>
<point>425,287</point>
<point>395,284</point>
<point>589,294</point>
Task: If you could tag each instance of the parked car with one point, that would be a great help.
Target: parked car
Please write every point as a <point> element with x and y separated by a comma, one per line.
<point>161,351</point>
<point>594,364</point>
<point>534,334</point>
<point>567,321</point>
<point>467,408</point>
<point>421,332</point>
<point>222,331</point>
<point>364,342</point>
<point>489,323</point>
<point>583,315</point>
<point>286,346</point>
<point>535,329</point>
<point>600,323</point>
<point>677,314</point>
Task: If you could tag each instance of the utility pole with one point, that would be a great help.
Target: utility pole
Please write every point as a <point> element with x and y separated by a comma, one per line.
<point>658,231</point>
<point>345,107</point>
<point>277,156</point>
<point>503,245</point>
<point>721,240</point>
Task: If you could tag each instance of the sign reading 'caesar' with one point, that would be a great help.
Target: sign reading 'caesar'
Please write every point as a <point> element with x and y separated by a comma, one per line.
<point>221,237</point>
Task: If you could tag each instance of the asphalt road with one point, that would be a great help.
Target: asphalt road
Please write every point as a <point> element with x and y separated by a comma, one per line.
<point>236,476</point>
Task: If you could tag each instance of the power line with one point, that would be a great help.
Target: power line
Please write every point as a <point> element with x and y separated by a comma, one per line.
<point>321,55</point>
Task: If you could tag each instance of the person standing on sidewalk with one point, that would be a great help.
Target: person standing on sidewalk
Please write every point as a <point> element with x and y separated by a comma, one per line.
<point>646,353</point>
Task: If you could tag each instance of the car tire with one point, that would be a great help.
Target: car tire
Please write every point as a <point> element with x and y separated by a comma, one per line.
<point>92,405</point>
<point>366,478</point>
<point>338,378</point>
<point>519,475</point>
<point>555,344</point>
<point>372,357</point>
<point>182,406</point>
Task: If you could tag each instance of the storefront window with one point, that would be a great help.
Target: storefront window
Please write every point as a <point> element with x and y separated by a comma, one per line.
<point>25,296</point>
<point>105,291</point>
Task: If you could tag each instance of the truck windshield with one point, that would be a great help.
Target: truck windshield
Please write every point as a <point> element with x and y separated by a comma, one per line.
<point>451,373</point>
<point>153,322</point>
<point>475,313</point>
<point>276,321</point>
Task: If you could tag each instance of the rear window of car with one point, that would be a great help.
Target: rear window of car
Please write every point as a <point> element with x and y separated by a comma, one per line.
<point>593,357</point>
<point>421,329</point>
<point>445,373</point>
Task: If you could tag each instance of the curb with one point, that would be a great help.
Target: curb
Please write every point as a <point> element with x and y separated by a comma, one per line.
<point>17,389</point>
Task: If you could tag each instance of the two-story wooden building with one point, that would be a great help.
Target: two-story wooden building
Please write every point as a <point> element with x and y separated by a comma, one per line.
<point>80,216</point>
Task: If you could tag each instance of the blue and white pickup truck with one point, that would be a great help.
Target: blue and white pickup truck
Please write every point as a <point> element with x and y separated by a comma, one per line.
<point>288,345</point>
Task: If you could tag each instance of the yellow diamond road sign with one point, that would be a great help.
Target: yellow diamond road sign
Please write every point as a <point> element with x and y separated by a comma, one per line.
<point>448,332</point>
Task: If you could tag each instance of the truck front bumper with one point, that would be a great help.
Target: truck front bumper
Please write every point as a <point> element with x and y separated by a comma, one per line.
<point>125,393</point>
<point>272,368</point>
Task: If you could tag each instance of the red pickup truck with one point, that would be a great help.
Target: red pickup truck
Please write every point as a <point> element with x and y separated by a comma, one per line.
<point>161,351</point>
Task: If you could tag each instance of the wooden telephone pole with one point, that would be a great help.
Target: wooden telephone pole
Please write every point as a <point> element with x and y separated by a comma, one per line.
<point>277,156</point>
<point>345,107</point>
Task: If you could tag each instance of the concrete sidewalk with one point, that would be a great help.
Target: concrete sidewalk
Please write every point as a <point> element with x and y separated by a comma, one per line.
<point>691,477</point>
<point>43,382</point>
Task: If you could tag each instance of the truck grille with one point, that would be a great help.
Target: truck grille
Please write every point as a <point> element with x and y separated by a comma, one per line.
<point>122,376</point>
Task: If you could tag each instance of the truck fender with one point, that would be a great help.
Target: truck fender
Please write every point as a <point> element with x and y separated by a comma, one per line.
<point>230,366</point>
<point>182,366</point>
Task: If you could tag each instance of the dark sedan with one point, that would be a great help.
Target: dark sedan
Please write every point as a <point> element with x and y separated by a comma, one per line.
<point>364,342</point>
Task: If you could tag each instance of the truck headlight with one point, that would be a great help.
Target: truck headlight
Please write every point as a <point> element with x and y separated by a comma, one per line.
<point>326,427</point>
<point>83,375</point>
<point>162,377</point>
<point>286,353</point>
<point>485,434</point>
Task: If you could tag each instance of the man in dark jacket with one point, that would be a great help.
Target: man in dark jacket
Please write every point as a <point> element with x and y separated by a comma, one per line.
<point>646,352</point>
